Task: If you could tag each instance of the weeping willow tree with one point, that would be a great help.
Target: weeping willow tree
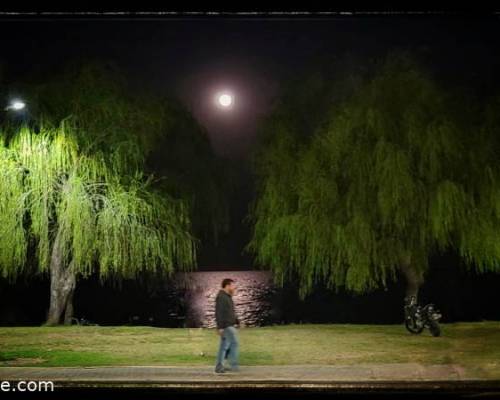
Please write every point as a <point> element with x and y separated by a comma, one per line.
<point>153,133</point>
<point>400,170</point>
<point>82,214</point>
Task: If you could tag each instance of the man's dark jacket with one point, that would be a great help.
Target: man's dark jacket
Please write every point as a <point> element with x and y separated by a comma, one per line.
<point>224,310</point>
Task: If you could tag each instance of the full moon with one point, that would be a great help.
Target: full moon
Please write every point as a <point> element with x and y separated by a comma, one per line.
<point>225,100</point>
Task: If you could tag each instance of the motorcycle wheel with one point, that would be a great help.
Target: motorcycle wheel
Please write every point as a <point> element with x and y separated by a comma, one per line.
<point>412,327</point>
<point>435,329</point>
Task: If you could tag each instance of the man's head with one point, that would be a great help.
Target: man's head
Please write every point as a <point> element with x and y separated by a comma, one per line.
<point>228,286</point>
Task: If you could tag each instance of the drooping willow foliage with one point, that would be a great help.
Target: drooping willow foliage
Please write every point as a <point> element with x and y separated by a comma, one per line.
<point>400,170</point>
<point>52,189</point>
<point>110,115</point>
<point>141,130</point>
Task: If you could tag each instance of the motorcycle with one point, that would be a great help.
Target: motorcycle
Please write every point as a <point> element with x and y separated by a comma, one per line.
<point>417,318</point>
<point>82,322</point>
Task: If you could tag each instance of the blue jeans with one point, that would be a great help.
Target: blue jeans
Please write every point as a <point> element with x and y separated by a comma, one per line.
<point>230,346</point>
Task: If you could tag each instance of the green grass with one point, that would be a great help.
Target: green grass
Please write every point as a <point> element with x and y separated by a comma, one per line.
<point>468,344</point>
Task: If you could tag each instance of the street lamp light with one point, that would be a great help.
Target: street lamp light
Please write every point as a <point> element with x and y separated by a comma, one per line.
<point>16,105</point>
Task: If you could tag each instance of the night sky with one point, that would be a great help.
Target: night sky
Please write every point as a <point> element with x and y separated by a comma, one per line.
<point>193,58</point>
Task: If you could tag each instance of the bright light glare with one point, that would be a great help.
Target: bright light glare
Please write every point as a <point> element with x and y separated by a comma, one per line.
<point>225,100</point>
<point>16,105</point>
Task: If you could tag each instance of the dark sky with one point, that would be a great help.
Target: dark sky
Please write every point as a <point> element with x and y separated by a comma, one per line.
<point>192,58</point>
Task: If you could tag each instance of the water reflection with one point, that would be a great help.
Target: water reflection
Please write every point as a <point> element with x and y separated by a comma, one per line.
<point>253,299</point>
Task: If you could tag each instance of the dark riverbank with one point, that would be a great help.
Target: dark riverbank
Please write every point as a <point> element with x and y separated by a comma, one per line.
<point>461,296</point>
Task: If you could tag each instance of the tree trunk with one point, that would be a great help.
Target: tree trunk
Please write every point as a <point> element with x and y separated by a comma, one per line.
<point>68,313</point>
<point>413,278</point>
<point>62,285</point>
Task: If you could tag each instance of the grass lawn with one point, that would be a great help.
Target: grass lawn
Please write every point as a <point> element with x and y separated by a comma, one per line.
<point>467,344</point>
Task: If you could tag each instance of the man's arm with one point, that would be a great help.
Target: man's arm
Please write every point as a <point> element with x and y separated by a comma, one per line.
<point>219,312</point>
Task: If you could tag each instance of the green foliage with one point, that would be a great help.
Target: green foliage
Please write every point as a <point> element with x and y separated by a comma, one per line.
<point>52,187</point>
<point>111,116</point>
<point>136,128</point>
<point>13,239</point>
<point>391,177</point>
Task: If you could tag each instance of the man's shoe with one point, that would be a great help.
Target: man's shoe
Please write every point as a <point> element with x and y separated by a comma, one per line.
<point>220,370</point>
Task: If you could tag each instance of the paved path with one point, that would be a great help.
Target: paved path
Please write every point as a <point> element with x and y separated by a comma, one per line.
<point>254,376</point>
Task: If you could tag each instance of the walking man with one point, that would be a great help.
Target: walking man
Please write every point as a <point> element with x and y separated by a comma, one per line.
<point>226,327</point>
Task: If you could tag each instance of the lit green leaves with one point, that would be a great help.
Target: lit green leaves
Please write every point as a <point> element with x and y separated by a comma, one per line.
<point>101,218</point>
<point>13,240</point>
<point>138,229</point>
<point>392,175</point>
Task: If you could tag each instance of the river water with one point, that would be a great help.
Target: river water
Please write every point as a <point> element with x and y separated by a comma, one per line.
<point>253,299</point>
